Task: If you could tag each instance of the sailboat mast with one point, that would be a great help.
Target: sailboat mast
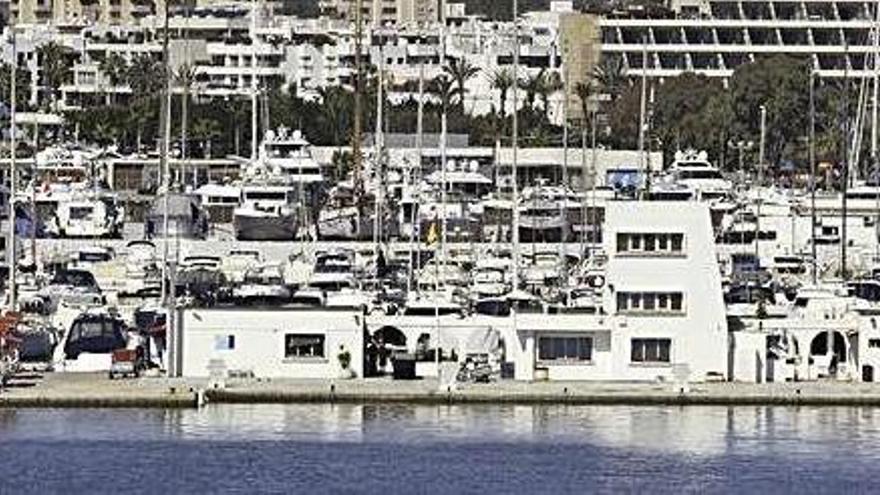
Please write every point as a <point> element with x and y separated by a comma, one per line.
<point>165,125</point>
<point>415,181</point>
<point>515,146</point>
<point>10,244</point>
<point>643,109</point>
<point>379,172</point>
<point>358,87</point>
<point>812,137</point>
<point>254,87</point>
<point>846,165</point>
<point>875,32</point>
<point>443,130</point>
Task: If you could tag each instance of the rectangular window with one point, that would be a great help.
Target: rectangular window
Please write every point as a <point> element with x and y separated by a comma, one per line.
<point>676,301</point>
<point>622,243</point>
<point>650,303</point>
<point>304,345</point>
<point>662,301</point>
<point>622,300</point>
<point>224,342</point>
<point>565,349</point>
<point>677,241</point>
<point>650,350</point>
<point>650,243</point>
<point>874,343</point>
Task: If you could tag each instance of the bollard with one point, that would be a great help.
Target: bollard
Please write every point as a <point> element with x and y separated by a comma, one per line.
<point>332,392</point>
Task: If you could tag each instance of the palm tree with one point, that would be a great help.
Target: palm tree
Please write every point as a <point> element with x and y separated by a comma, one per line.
<point>461,71</point>
<point>532,85</point>
<point>335,104</point>
<point>610,76</point>
<point>442,87</point>
<point>115,68</point>
<point>503,81</point>
<point>55,65</point>
<point>584,91</point>
<point>146,76</point>
<point>550,83</point>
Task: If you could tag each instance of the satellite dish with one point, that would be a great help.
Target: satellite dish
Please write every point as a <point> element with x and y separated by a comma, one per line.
<point>474,166</point>
<point>450,165</point>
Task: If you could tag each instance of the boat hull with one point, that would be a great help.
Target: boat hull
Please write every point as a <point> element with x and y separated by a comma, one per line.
<point>345,226</point>
<point>265,228</point>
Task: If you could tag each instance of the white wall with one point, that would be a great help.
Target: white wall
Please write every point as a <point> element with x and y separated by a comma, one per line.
<point>699,337</point>
<point>259,341</point>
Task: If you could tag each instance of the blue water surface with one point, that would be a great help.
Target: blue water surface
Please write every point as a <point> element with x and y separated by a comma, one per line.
<point>440,449</point>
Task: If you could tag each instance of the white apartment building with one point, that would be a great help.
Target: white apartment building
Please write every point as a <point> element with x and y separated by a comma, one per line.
<point>664,310</point>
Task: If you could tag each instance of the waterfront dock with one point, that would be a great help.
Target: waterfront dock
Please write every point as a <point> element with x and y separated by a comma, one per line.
<point>95,390</point>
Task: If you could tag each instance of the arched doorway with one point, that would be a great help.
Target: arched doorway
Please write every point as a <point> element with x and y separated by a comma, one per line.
<point>385,342</point>
<point>819,346</point>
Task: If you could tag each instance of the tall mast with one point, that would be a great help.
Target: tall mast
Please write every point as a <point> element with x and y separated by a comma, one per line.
<point>563,236</point>
<point>414,178</point>
<point>846,164</point>
<point>443,130</point>
<point>165,125</point>
<point>812,137</point>
<point>515,146</point>
<point>356,132</point>
<point>10,243</point>
<point>378,168</point>
<point>760,184</point>
<point>254,87</point>
<point>643,110</point>
<point>184,102</point>
<point>875,32</point>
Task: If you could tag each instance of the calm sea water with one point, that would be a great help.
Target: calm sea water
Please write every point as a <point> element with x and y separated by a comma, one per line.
<point>460,449</point>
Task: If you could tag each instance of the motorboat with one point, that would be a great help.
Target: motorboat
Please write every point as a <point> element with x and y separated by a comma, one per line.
<point>89,342</point>
<point>263,284</point>
<point>266,213</point>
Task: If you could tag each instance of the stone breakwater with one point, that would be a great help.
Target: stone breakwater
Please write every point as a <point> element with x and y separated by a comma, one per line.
<point>95,390</point>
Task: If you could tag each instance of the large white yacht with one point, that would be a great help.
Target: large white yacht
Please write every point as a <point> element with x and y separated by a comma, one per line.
<point>267,213</point>
<point>693,175</point>
<point>276,188</point>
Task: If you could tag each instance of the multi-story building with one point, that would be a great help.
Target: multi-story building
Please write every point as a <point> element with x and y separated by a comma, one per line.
<point>713,37</point>
<point>383,12</point>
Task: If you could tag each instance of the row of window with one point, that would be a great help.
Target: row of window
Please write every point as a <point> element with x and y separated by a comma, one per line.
<point>580,349</point>
<point>635,303</point>
<point>296,345</point>
<point>650,243</point>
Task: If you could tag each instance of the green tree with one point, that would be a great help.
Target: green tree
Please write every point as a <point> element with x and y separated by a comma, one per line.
<point>680,117</point>
<point>780,84</point>
<point>503,81</point>
<point>550,83</point>
<point>461,71</point>
<point>115,69</point>
<point>55,68</point>
<point>610,76</point>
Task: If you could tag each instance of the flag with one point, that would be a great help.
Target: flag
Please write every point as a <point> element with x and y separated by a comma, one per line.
<point>433,235</point>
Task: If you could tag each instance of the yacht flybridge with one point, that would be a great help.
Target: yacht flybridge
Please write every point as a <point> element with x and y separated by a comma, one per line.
<point>276,188</point>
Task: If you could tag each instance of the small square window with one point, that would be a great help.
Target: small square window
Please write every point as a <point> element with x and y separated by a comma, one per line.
<point>635,300</point>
